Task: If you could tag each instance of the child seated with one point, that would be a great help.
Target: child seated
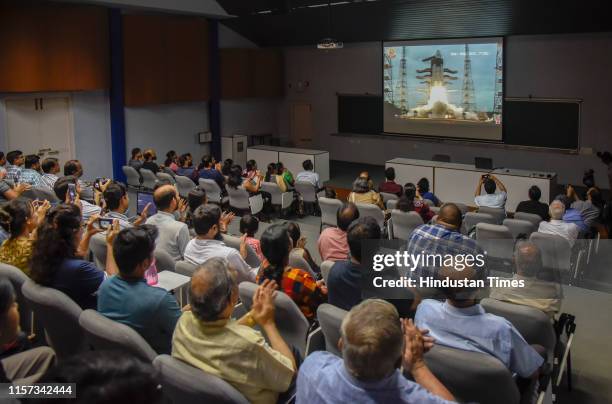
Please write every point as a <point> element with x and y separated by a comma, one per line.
<point>249,226</point>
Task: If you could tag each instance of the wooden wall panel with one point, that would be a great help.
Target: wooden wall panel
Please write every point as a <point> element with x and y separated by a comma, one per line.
<point>236,73</point>
<point>251,73</point>
<point>53,47</point>
<point>268,73</point>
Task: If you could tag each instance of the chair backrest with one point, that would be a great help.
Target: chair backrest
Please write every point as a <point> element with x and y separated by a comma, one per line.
<point>185,268</point>
<point>59,316</point>
<point>495,239</point>
<point>530,217</point>
<point>467,374</point>
<point>445,158</point>
<point>238,198</point>
<point>166,177</point>
<point>329,211</point>
<point>387,197</point>
<point>252,259</point>
<point>404,223</point>
<point>132,176</point>
<point>391,204</point>
<point>330,319</point>
<point>296,260</point>
<point>498,213</point>
<point>533,324</point>
<point>519,227</point>
<point>556,251</point>
<point>462,207</point>
<point>274,190</point>
<point>368,209</point>
<point>184,185</point>
<point>326,267</point>
<point>428,202</point>
<point>148,178</point>
<point>105,334</point>
<point>40,193</point>
<point>213,191</point>
<point>291,323</point>
<point>471,219</point>
<point>185,384</point>
<point>256,204</point>
<point>169,171</point>
<point>307,191</point>
<point>17,278</point>
<point>164,261</point>
<point>97,245</point>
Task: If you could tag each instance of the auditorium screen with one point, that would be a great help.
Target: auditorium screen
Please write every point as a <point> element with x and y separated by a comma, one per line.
<point>444,88</point>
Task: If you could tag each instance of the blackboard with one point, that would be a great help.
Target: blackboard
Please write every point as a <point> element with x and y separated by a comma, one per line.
<point>553,124</point>
<point>360,114</point>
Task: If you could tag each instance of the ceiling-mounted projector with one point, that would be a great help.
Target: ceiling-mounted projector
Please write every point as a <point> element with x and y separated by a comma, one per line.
<point>329,43</point>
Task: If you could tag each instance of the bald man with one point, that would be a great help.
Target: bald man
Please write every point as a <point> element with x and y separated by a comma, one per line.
<point>557,225</point>
<point>173,234</point>
<point>332,243</point>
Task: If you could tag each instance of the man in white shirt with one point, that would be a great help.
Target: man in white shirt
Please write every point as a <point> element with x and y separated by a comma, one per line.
<point>308,175</point>
<point>557,226</point>
<point>50,167</point>
<point>61,191</point>
<point>491,199</point>
<point>173,234</point>
<point>208,223</point>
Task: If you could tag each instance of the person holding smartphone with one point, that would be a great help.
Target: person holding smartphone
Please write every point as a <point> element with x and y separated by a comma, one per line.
<point>491,199</point>
<point>67,189</point>
<point>117,202</point>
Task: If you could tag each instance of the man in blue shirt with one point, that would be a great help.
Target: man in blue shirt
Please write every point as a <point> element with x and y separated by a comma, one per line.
<point>126,297</point>
<point>14,167</point>
<point>211,173</point>
<point>31,173</point>
<point>572,215</point>
<point>373,345</point>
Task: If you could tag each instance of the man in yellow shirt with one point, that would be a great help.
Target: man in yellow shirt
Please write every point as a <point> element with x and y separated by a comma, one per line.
<point>207,338</point>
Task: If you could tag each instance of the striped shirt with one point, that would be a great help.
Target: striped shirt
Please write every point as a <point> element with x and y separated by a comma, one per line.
<point>13,173</point>
<point>32,177</point>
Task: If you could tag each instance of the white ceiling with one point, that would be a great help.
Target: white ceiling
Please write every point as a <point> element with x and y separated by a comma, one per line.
<point>209,8</point>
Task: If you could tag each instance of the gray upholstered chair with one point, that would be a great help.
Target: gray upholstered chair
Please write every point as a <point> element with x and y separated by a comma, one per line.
<point>296,260</point>
<point>185,268</point>
<point>278,198</point>
<point>168,171</point>
<point>403,223</point>
<point>59,315</point>
<point>102,333</point>
<point>462,207</point>
<point>330,319</point>
<point>556,253</point>
<point>387,197</point>
<point>499,214</point>
<point>392,204</point>
<point>470,375</point>
<point>97,246</point>
<point>149,180</point>
<point>496,240</point>
<point>519,227</point>
<point>530,217</point>
<point>471,219</point>
<point>326,267</point>
<point>368,209</point>
<point>213,191</point>
<point>329,211</point>
<point>132,176</point>
<point>41,193</point>
<point>185,384</point>
<point>429,203</point>
<point>252,259</point>
<point>307,191</point>
<point>291,323</point>
<point>17,278</point>
<point>166,177</point>
<point>163,261</point>
<point>184,185</point>
<point>240,200</point>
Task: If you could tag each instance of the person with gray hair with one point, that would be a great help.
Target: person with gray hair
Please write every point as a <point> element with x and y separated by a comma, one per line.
<point>362,193</point>
<point>375,345</point>
<point>207,337</point>
<point>539,290</point>
<point>557,226</point>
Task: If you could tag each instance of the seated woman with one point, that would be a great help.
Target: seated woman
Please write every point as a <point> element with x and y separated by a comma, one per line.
<point>284,177</point>
<point>185,166</point>
<point>20,219</point>
<point>423,191</point>
<point>271,173</point>
<point>299,245</point>
<point>299,285</point>
<point>171,161</point>
<point>195,198</point>
<point>149,161</point>
<point>236,180</point>
<point>227,167</point>
<point>250,171</point>
<point>58,252</point>
<point>409,202</point>
<point>363,194</point>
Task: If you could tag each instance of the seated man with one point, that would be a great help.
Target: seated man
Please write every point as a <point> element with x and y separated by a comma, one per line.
<point>344,281</point>
<point>533,205</point>
<point>208,223</point>
<point>460,322</point>
<point>126,297</point>
<point>208,338</point>
<point>557,225</point>
<point>117,203</point>
<point>332,243</point>
<point>542,294</point>
<point>590,207</point>
<point>373,346</point>
<point>173,234</point>
<point>8,192</point>
<point>208,171</point>
<point>61,188</point>
<point>491,199</point>
<point>31,173</point>
<point>15,165</point>
<point>25,367</point>
<point>308,175</point>
<point>50,167</point>
<point>75,168</point>
<point>389,185</point>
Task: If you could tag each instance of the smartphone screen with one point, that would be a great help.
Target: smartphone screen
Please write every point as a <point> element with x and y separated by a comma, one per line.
<point>105,223</point>
<point>72,192</point>
<point>143,199</point>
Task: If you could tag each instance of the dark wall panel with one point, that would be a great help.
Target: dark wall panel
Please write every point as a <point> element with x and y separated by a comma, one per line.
<point>251,73</point>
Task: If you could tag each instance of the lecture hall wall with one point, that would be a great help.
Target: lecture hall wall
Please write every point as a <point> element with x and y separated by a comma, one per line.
<point>557,66</point>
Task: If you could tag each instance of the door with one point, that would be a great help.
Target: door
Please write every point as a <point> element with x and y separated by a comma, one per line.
<point>41,126</point>
<point>301,125</point>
